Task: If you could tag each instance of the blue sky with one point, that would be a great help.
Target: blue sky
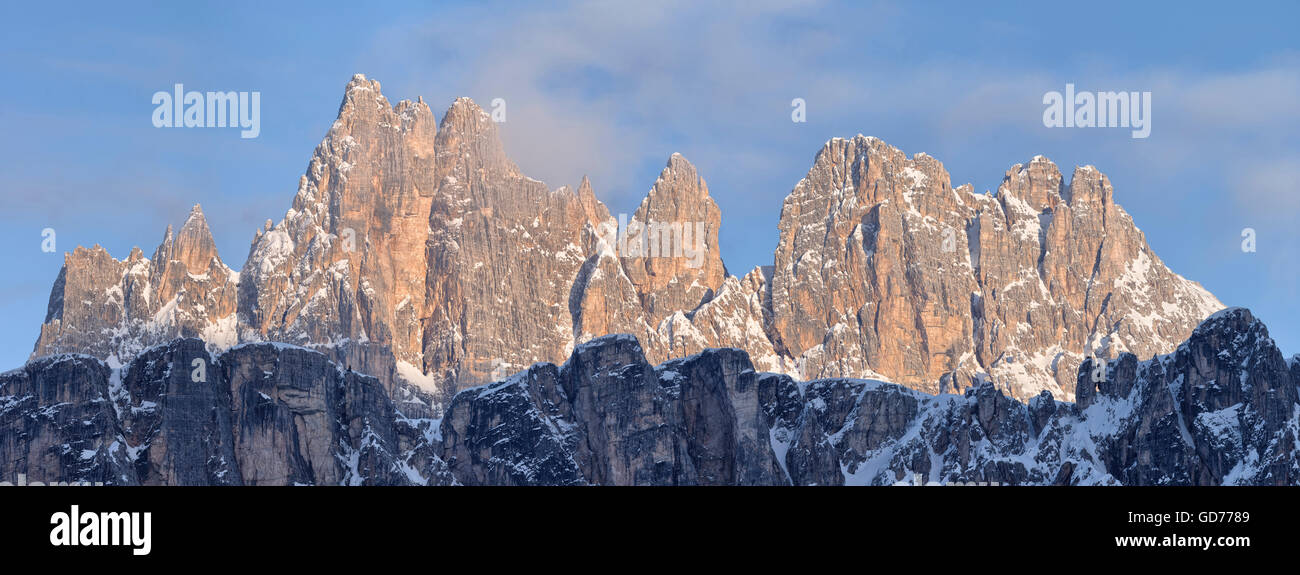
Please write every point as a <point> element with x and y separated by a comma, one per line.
<point>612,89</point>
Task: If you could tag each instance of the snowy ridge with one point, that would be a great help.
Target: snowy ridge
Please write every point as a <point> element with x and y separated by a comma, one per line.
<point>1221,409</point>
<point>1143,423</point>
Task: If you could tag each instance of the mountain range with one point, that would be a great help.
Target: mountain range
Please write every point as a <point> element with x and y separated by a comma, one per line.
<point>424,313</point>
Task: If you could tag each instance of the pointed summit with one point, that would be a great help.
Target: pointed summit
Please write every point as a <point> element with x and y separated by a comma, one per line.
<point>358,94</point>
<point>595,211</point>
<point>183,291</point>
<point>194,246</point>
<point>679,266</point>
<point>195,212</point>
<point>369,187</point>
<point>163,252</point>
<point>468,129</point>
<point>468,120</point>
<point>680,177</point>
<point>465,107</point>
<point>679,191</point>
<point>1038,183</point>
<point>359,83</point>
<point>1089,187</point>
<point>364,110</point>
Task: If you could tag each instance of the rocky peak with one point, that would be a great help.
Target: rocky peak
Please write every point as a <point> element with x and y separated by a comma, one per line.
<point>163,252</point>
<point>194,246</point>
<point>468,134</point>
<point>1227,396</point>
<point>672,254</point>
<point>360,87</point>
<point>1090,189</point>
<point>884,269</point>
<point>364,109</point>
<point>466,117</point>
<point>418,254</point>
<point>1239,340</point>
<point>364,102</point>
<point>360,82</point>
<point>594,209</point>
<point>112,309</point>
<point>1038,183</point>
<point>505,253</point>
<point>1231,321</point>
<point>345,269</point>
<point>136,256</point>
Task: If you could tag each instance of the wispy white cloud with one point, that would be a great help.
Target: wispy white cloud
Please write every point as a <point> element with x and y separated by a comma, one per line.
<point>597,88</point>
<point>607,89</point>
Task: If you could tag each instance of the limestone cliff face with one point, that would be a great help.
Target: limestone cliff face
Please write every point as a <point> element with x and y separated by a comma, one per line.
<point>651,272</point>
<point>671,254</point>
<point>345,269</point>
<point>884,268</point>
<point>1221,409</point>
<point>257,414</point>
<point>616,421</point>
<point>114,309</point>
<point>503,255</point>
<point>415,251</point>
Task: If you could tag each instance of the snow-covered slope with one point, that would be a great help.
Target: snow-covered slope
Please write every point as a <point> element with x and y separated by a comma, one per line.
<point>1219,410</point>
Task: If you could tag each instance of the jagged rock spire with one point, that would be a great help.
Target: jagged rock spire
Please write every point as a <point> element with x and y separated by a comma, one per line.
<point>468,141</point>
<point>194,246</point>
<point>595,211</point>
<point>672,254</point>
<point>184,290</point>
<point>883,267</point>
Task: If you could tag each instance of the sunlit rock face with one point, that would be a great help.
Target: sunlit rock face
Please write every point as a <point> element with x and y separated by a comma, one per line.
<point>113,309</point>
<point>345,269</point>
<point>883,268</point>
<point>416,252</point>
